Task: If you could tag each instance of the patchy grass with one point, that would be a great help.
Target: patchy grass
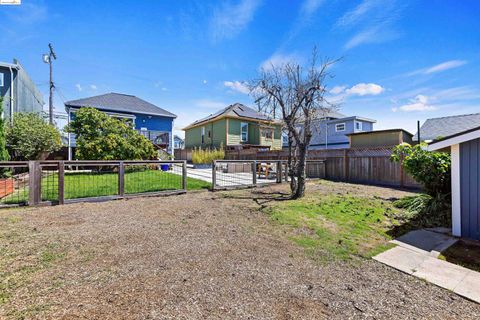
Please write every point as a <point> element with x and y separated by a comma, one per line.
<point>338,226</point>
<point>465,253</point>
<point>95,184</point>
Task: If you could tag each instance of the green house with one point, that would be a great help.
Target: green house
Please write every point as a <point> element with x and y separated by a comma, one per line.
<point>235,127</point>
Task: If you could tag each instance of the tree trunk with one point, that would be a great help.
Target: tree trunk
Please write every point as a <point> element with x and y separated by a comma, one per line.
<point>301,176</point>
<point>290,165</point>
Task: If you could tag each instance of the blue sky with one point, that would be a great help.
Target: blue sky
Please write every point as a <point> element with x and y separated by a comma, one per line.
<point>403,61</point>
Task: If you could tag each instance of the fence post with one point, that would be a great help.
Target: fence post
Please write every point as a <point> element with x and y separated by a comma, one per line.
<point>402,182</point>
<point>61,182</point>
<point>184,175</point>
<point>279,171</point>
<point>346,167</point>
<point>214,174</point>
<point>121,179</point>
<point>34,183</point>
<point>254,172</point>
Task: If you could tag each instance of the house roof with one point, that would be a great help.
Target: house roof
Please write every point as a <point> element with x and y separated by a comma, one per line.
<point>379,131</point>
<point>236,110</point>
<point>331,114</point>
<point>467,135</point>
<point>434,128</point>
<point>121,103</point>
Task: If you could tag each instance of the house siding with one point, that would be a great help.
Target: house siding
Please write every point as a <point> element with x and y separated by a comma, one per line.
<point>217,129</point>
<point>470,188</point>
<point>335,139</point>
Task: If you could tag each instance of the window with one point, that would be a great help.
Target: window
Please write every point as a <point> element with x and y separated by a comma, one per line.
<point>340,127</point>
<point>244,132</point>
<point>1,79</point>
<point>267,134</point>
<point>203,135</point>
<point>358,126</point>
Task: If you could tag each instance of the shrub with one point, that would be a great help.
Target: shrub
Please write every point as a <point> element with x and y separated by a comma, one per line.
<point>201,156</point>
<point>427,211</point>
<point>101,137</point>
<point>30,137</point>
<point>431,169</point>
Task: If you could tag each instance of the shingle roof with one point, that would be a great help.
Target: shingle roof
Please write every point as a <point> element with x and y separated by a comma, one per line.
<point>238,109</point>
<point>435,128</point>
<point>120,103</point>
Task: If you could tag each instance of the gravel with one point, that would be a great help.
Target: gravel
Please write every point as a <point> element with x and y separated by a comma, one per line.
<point>196,256</point>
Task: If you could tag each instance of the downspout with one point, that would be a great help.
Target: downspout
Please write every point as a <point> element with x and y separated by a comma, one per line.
<point>11,95</point>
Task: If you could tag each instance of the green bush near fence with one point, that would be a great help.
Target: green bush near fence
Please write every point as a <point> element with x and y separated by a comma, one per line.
<point>96,184</point>
<point>206,156</point>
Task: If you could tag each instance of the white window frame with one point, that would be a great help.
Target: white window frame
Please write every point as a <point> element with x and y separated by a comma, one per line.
<point>340,124</point>
<point>360,125</point>
<point>242,124</point>
<point>203,135</point>
<point>2,79</point>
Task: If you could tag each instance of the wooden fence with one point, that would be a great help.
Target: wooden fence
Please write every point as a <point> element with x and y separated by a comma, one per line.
<point>362,165</point>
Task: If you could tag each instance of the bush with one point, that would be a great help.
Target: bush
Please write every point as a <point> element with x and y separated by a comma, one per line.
<point>431,169</point>
<point>101,137</point>
<point>200,156</point>
<point>30,137</point>
<point>427,211</point>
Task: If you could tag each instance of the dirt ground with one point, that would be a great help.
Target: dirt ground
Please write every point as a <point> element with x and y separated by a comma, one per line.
<point>194,256</point>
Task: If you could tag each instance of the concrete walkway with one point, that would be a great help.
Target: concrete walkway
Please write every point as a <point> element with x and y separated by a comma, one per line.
<point>417,254</point>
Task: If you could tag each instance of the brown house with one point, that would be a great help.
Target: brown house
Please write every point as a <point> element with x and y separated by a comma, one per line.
<point>380,138</point>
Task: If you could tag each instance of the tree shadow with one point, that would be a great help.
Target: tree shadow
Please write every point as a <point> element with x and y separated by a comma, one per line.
<point>262,198</point>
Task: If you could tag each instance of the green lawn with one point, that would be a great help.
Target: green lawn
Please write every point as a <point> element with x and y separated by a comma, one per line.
<point>338,226</point>
<point>90,184</point>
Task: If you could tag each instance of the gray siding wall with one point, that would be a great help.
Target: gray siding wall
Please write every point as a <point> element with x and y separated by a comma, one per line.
<point>470,188</point>
<point>335,139</point>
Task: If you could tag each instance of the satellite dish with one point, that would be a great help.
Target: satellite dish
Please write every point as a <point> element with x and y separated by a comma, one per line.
<point>46,58</point>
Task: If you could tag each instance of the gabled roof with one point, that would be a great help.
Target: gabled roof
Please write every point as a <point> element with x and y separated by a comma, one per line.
<point>121,103</point>
<point>236,110</point>
<point>460,137</point>
<point>435,128</point>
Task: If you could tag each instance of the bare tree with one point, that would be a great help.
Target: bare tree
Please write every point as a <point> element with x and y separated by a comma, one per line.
<point>296,95</point>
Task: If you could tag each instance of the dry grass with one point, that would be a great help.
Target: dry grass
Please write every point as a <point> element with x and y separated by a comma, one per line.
<point>194,256</point>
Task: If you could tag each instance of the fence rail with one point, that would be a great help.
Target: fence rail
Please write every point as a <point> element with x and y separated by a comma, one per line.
<point>59,182</point>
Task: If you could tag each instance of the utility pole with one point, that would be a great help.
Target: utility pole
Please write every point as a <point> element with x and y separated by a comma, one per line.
<point>47,58</point>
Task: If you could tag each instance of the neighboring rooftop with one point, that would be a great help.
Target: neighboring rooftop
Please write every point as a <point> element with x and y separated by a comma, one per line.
<point>235,110</point>
<point>436,128</point>
<point>331,114</point>
<point>379,131</point>
<point>121,103</point>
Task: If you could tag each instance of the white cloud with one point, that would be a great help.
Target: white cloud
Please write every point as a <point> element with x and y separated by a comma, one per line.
<point>79,87</point>
<point>229,20</point>
<point>363,89</point>
<point>338,89</point>
<point>279,60</point>
<point>205,81</point>
<point>309,7</point>
<point>93,87</point>
<point>419,103</point>
<point>210,104</point>
<point>164,89</point>
<point>238,86</point>
<point>359,12</point>
<point>447,65</point>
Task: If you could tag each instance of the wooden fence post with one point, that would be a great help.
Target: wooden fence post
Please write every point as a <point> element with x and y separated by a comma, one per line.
<point>121,179</point>
<point>214,174</point>
<point>279,171</point>
<point>184,175</point>
<point>402,182</point>
<point>254,172</point>
<point>61,182</point>
<point>346,167</point>
<point>34,183</point>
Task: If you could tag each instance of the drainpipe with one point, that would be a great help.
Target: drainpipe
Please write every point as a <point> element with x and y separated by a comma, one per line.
<point>11,95</point>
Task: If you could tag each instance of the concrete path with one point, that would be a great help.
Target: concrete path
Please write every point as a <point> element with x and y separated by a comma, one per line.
<point>416,254</point>
<point>226,179</point>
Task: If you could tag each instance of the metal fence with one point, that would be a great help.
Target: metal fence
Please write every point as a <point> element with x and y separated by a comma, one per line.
<point>58,182</point>
<point>231,174</point>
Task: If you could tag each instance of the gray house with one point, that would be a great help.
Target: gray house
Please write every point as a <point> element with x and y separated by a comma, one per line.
<point>465,149</point>
<point>331,130</point>
<point>18,91</point>
<point>436,128</point>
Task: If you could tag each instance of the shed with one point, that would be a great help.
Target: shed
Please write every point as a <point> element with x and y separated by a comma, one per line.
<point>379,138</point>
<point>465,151</point>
